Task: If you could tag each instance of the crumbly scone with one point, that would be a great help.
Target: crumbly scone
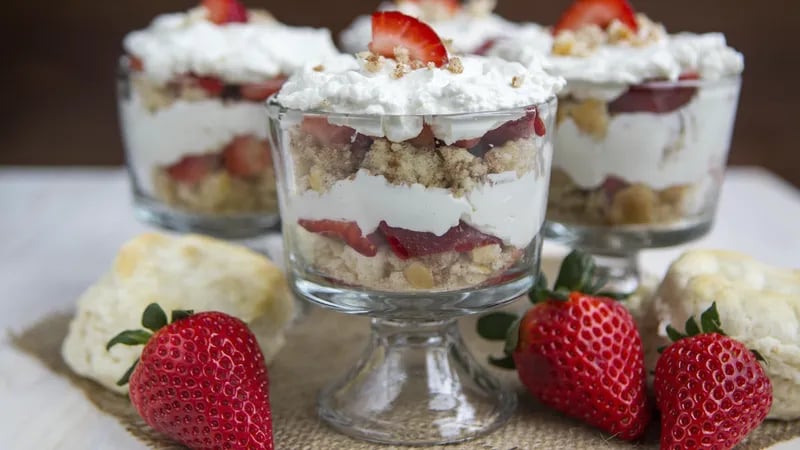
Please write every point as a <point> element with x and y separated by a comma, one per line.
<point>219,193</point>
<point>186,272</point>
<point>634,204</point>
<point>336,261</point>
<point>758,305</point>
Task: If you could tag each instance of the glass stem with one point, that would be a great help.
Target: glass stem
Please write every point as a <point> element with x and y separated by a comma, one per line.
<point>416,383</point>
<point>621,269</point>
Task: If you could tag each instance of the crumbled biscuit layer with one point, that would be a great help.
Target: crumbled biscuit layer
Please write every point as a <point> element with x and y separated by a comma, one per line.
<point>319,166</point>
<point>587,40</point>
<point>635,204</point>
<point>157,96</point>
<point>590,116</point>
<point>219,193</point>
<point>332,259</point>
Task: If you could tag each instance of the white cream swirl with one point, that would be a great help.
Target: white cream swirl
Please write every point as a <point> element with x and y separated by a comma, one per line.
<point>355,86</point>
<point>180,43</point>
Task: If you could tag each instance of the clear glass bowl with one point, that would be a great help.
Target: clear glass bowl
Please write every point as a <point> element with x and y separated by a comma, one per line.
<point>413,232</point>
<point>198,153</point>
<point>638,167</point>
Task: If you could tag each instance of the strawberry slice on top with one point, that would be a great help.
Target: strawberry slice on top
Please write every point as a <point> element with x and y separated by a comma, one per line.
<point>221,12</point>
<point>596,12</point>
<point>392,29</point>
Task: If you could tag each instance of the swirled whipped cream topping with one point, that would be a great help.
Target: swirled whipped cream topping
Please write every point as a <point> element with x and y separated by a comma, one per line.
<point>260,49</point>
<point>664,56</point>
<point>398,96</point>
<point>469,29</point>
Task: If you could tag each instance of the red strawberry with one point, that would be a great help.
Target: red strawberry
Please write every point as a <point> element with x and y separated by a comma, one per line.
<point>485,47</point>
<point>411,244</point>
<point>467,143</point>
<point>652,98</point>
<point>246,156</point>
<point>225,11</point>
<point>135,63</point>
<point>596,12</point>
<point>392,29</point>
<point>201,380</point>
<point>348,232</point>
<point>326,133</point>
<point>213,86</point>
<point>425,138</point>
<point>450,6</point>
<point>578,352</point>
<point>258,92</point>
<point>710,389</point>
<point>192,168</point>
<point>522,128</point>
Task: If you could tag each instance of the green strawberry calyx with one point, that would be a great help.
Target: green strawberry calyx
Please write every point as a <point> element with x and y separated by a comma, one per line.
<point>153,319</point>
<point>709,323</point>
<point>577,274</point>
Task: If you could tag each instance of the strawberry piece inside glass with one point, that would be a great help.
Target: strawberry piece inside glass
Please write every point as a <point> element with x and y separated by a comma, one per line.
<point>410,244</point>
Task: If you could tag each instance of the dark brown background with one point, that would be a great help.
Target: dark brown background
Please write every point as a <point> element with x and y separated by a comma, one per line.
<point>59,57</point>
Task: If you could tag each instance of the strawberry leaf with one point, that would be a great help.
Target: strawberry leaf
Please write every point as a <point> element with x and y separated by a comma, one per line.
<point>153,317</point>
<point>540,292</point>
<point>614,295</point>
<point>130,337</point>
<point>709,320</point>
<point>495,326</point>
<point>674,335</point>
<point>127,376</point>
<point>692,329</point>
<point>180,314</point>
<point>505,362</point>
<point>576,272</point>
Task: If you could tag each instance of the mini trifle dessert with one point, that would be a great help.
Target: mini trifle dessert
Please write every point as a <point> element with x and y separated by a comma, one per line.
<point>413,188</point>
<point>191,92</point>
<point>468,27</point>
<point>643,128</point>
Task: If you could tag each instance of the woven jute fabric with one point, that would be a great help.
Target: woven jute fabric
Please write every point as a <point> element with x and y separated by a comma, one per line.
<point>320,348</point>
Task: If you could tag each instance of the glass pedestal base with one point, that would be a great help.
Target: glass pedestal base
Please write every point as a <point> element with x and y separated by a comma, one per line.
<point>416,384</point>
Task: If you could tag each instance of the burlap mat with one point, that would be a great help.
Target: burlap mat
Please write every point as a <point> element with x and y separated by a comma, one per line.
<point>319,349</point>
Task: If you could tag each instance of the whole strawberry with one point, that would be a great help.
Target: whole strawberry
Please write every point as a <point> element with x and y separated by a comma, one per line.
<point>201,380</point>
<point>578,353</point>
<point>711,390</point>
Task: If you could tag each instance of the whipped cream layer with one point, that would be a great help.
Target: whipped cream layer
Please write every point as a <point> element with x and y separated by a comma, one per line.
<point>162,138</point>
<point>659,150</point>
<point>508,207</point>
<point>397,104</point>
<point>467,30</point>
<point>708,55</point>
<point>261,49</point>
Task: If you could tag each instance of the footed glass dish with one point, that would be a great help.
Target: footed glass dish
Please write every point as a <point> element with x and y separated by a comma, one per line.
<point>382,217</point>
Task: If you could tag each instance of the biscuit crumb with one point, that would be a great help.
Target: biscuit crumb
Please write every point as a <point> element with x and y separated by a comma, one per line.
<point>516,81</point>
<point>400,70</point>
<point>319,68</point>
<point>455,65</point>
<point>401,55</point>
<point>373,62</point>
<point>417,64</point>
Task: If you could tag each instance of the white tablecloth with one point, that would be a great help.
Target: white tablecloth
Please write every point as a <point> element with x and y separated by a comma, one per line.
<point>60,228</point>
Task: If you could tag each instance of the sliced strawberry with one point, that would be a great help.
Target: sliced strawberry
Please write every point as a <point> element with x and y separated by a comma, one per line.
<point>326,133</point>
<point>485,47</point>
<point>651,99</point>
<point>451,6</point>
<point>467,143</point>
<point>425,138</point>
<point>392,29</point>
<point>246,156</point>
<point>193,168</point>
<point>348,232</point>
<point>225,11</point>
<point>596,12</point>
<point>213,86</point>
<point>691,75</point>
<point>612,185</point>
<point>258,92</point>
<point>410,244</point>
<point>522,128</point>
<point>135,63</point>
